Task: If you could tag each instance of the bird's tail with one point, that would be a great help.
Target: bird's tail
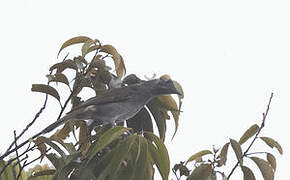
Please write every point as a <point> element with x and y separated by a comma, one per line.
<point>56,124</point>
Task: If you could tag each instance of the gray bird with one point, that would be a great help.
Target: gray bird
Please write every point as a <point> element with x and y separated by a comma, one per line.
<point>118,104</point>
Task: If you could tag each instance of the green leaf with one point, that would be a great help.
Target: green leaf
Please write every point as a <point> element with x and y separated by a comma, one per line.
<point>202,172</point>
<point>122,152</point>
<point>198,155</point>
<point>223,154</point>
<point>105,139</point>
<point>45,89</point>
<point>248,174</point>
<point>272,143</point>
<point>64,172</point>
<point>249,133</point>
<point>264,167</point>
<point>75,40</point>
<point>238,150</point>
<point>159,154</point>
<point>272,160</point>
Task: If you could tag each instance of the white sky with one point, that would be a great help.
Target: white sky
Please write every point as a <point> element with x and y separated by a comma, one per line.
<point>228,55</point>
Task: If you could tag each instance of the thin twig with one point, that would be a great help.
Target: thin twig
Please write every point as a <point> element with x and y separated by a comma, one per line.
<point>256,136</point>
<point>17,155</point>
<point>24,130</point>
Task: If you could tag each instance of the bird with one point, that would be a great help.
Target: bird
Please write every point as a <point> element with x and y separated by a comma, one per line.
<point>118,104</point>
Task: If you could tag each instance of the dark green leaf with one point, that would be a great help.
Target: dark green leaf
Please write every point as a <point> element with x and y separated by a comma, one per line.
<point>159,116</point>
<point>264,167</point>
<point>202,172</point>
<point>249,133</point>
<point>159,154</point>
<point>272,143</point>
<point>238,150</point>
<point>45,89</point>
<point>248,174</point>
<point>105,139</point>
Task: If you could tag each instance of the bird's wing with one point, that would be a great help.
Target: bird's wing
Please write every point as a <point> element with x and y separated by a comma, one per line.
<point>111,96</point>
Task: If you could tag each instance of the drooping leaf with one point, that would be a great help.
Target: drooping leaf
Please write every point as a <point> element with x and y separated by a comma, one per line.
<point>118,158</point>
<point>105,139</point>
<point>264,167</point>
<point>159,154</point>
<point>238,150</point>
<point>272,160</point>
<point>60,67</point>
<point>159,116</point>
<point>87,45</point>
<point>75,40</point>
<point>63,133</point>
<point>248,174</point>
<point>223,154</point>
<point>169,103</point>
<point>59,77</point>
<point>272,143</point>
<point>84,138</point>
<point>51,144</point>
<point>118,60</point>
<point>40,145</point>
<point>249,133</point>
<point>202,172</point>
<point>45,89</point>
<point>198,155</point>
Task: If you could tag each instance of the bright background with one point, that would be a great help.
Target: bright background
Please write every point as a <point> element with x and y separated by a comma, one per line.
<point>228,55</point>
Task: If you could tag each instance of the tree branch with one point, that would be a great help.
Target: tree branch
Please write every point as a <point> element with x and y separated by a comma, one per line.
<point>256,136</point>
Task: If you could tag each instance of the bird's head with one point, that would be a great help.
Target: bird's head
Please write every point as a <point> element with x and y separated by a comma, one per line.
<point>163,86</point>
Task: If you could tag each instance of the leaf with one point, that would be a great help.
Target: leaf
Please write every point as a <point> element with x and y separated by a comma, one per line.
<point>59,77</point>
<point>238,150</point>
<point>86,46</point>
<point>40,145</point>
<point>202,172</point>
<point>159,116</point>
<point>64,65</point>
<point>159,154</point>
<point>45,89</point>
<point>105,139</point>
<point>169,103</point>
<point>272,143</point>
<point>63,133</point>
<point>248,174</point>
<point>249,133</point>
<point>272,160</point>
<point>264,167</point>
<point>75,40</point>
<point>198,155</point>
<point>223,154</point>
<point>64,172</point>
<point>118,60</point>
<point>120,156</point>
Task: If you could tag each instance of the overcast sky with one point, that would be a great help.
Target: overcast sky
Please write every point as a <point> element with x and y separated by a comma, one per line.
<point>228,56</point>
